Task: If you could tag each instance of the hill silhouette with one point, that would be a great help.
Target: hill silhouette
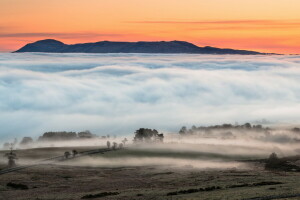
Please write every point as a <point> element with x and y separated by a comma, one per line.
<point>55,46</point>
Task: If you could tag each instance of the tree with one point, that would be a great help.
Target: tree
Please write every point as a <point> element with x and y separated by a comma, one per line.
<point>85,134</point>
<point>67,154</point>
<point>124,141</point>
<point>74,152</point>
<point>115,145</point>
<point>227,126</point>
<point>11,156</point>
<point>183,130</point>
<point>247,126</point>
<point>296,129</point>
<point>58,136</point>
<point>26,141</point>
<point>147,135</point>
<point>273,161</point>
<point>108,144</point>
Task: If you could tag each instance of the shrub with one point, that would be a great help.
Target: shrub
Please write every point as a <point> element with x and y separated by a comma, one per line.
<point>17,186</point>
<point>103,194</point>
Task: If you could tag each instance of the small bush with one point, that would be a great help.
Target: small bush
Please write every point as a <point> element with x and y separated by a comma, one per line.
<point>267,183</point>
<point>17,186</point>
<point>194,190</point>
<point>237,186</point>
<point>103,194</point>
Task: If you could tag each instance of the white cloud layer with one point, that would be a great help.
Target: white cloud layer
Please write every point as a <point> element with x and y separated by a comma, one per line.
<point>119,93</point>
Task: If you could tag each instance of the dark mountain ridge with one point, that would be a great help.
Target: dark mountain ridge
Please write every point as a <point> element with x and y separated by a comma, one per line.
<point>54,46</point>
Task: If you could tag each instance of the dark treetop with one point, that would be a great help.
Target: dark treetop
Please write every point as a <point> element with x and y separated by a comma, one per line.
<point>54,46</point>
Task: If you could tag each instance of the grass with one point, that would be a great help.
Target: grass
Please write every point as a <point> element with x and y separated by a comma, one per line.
<point>170,154</point>
<point>148,182</point>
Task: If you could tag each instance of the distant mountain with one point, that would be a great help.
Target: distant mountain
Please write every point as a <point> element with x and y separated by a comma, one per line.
<point>54,46</point>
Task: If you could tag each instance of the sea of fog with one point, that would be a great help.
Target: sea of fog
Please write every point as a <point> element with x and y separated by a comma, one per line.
<point>119,93</point>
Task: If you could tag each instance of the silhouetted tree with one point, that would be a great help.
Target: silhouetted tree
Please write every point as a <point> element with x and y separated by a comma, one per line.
<point>160,138</point>
<point>297,130</point>
<point>58,136</point>
<point>74,152</point>
<point>194,128</point>
<point>115,145</point>
<point>11,160</point>
<point>247,125</point>
<point>124,141</point>
<point>26,141</point>
<point>85,134</point>
<point>183,130</point>
<point>273,161</point>
<point>227,126</point>
<point>108,144</point>
<point>258,127</point>
<point>121,146</point>
<point>147,135</point>
<point>11,156</point>
<point>67,154</point>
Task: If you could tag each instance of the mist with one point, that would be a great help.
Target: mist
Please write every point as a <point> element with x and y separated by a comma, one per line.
<point>163,162</point>
<point>118,93</point>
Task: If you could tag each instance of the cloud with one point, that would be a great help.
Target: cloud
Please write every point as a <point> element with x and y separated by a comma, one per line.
<point>119,93</point>
<point>223,22</point>
<point>230,24</point>
<point>59,35</point>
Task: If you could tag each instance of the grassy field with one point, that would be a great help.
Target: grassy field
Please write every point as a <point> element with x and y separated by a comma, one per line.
<point>77,179</point>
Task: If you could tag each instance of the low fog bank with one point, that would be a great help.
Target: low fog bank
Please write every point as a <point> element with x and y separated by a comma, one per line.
<point>130,161</point>
<point>239,139</point>
<point>116,93</point>
<point>245,141</point>
<point>64,139</point>
<point>237,147</point>
<point>212,147</point>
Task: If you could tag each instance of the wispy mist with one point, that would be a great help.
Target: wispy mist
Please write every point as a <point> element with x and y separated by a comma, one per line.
<point>157,161</point>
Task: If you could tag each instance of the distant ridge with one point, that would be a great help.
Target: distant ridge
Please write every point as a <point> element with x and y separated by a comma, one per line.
<point>55,46</point>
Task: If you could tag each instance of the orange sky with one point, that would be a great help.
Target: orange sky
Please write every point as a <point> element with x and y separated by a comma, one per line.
<point>263,25</point>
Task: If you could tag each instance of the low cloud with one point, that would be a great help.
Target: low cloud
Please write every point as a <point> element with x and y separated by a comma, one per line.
<point>228,22</point>
<point>118,93</point>
<point>56,35</point>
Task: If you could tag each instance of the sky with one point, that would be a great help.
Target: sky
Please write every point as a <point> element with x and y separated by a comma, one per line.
<point>261,25</point>
<point>119,93</point>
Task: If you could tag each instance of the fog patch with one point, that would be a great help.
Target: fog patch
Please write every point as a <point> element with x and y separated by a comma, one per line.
<point>155,161</point>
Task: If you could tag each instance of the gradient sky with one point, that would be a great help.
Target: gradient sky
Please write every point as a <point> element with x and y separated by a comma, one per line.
<point>263,25</point>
